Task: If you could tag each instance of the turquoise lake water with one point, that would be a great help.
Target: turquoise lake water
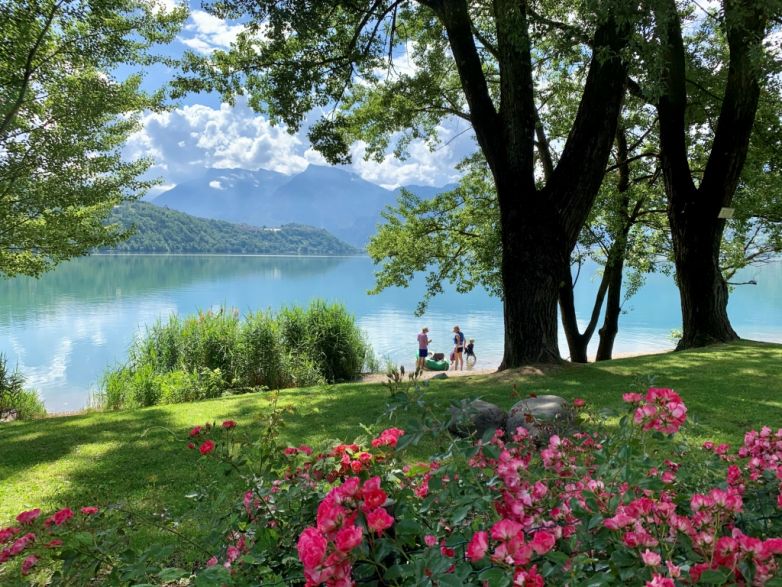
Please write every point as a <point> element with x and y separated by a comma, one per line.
<point>65,329</point>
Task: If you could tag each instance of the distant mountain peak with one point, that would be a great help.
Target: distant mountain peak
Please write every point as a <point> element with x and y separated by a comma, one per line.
<point>335,199</point>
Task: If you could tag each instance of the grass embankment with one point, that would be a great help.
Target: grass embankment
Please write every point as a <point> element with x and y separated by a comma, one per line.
<point>131,456</point>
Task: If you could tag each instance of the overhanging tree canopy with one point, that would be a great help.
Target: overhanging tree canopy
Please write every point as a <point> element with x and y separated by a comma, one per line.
<point>64,118</point>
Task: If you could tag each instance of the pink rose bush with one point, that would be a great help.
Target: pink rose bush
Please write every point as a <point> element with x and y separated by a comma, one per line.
<point>508,511</point>
<point>627,505</point>
<point>661,410</point>
<point>345,514</point>
<point>37,540</point>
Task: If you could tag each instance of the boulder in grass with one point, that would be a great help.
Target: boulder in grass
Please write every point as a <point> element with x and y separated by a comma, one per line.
<point>476,416</point>
<point>541,416</point>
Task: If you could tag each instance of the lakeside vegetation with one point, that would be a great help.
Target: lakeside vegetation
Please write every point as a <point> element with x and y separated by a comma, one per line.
<point>128,458</point>
<point>17,402</point>
<point>216,353</point>
<point>161,230</point>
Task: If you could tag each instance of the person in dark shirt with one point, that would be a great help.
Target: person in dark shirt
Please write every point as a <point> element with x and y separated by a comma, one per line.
<point>469,353</point>
<point>458,348</point>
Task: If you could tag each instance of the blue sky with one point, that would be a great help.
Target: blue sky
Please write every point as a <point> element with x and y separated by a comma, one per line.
<point>201,132</point>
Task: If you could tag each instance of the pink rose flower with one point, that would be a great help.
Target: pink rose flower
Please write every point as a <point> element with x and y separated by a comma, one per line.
<point>651,558</point>
<point>89,510</point>
<point>348,538</point>
<point>20,544</point>
<point>331,515</point>
<point>195,431</point>
<point>29,516</point>
<point>379,520</point>
<point>207,447</point>
<point>59,518</point>
<point>529,578</point>
<point>505,529</point>
<point>430,540</point>
<point>312,547</point>
<point>543,541</point>
<point>372,495</point>
<point>28,564</point>
<point>388,437</point>
<point>7,533</point>
<point>477,547</point>
<point>228,424</point>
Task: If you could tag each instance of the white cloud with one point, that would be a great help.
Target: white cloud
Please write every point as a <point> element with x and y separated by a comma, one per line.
<point>209,32</point>
<point>185,141</point>
<point>188,139</point>
<point>215,184</point>
<point>401,65</point>
<point>164,6</point>
<point>773,44</point>
<point>423,166</point>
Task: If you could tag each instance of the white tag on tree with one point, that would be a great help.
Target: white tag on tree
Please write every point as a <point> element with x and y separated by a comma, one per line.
<point>725,213</point>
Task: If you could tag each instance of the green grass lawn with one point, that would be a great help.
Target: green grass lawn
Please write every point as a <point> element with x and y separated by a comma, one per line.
<point>139,457</point>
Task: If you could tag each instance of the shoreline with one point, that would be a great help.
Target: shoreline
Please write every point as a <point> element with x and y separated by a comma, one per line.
<point>427,374</point>
<point>380,377</point>
<point>283,255</point>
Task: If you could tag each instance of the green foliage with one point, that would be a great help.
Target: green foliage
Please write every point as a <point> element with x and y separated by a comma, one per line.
<point>334,343</point>
<point>16,402</point>
<point>452,237</point>
<point>217,353</point>
<point>64,117</point>
<point>262,355</point>
<point>160,230</point>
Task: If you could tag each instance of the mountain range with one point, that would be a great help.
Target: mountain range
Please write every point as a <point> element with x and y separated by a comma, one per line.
<point>329,198</point>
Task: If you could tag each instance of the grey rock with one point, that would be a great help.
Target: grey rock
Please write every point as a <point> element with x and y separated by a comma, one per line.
<point>476,416</point>
<point>541,416</point>
<point>440,376</point>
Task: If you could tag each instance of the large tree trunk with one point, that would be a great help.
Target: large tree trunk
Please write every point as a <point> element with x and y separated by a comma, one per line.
<point>532,256</point>
<point>531,290</point>
<point>696,230</point>
<point>696,235</point>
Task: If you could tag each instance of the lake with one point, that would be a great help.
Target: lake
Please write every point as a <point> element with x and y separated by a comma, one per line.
<point>64,329</point>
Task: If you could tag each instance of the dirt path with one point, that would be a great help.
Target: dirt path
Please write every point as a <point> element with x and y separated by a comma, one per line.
<point>381,377</point>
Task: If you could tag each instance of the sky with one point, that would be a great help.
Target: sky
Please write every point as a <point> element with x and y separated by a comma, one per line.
<point>200,132</point>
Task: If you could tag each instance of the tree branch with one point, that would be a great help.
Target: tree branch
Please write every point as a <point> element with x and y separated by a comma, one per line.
<point>29,69</point>
<point>455,18</point>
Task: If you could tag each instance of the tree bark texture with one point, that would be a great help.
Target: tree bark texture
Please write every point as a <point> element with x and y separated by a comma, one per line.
<point>696,230</point>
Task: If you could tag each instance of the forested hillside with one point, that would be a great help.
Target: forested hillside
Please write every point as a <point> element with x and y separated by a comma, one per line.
<point>160,230</point>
